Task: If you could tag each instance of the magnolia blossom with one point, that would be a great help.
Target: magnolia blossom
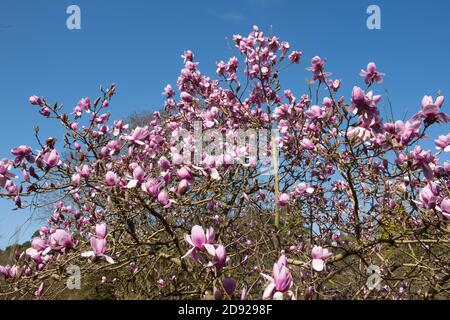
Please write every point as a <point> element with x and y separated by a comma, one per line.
<point>51,159</point>
<point>424,160</point>
<point>295,56</point>
<point>5,174</point>
<point>138,135</point>
<point>319,255</point>
<point>85,103</point>
<point>229,285</point>
<point>39,248</point>
<point>184,173</point>
<point>303,188</point>
<point>220,257</point>
<point>101,230</point>
<point>372,75</point>
<point>444,207</point>
<point>163,199</point>
<point>98,249</point>
<point>110,178</point>
<point>35,100</point>
<point>98,243</point>
<point>365,105</point>
<point>315,112</point>
<point>40,291</point>
<point>431,110</point>
<point>443,143</point>
<point>8,271</point>
<point>280,283</point>
<point>61,240</point>
<point>138,177</point>
<point>22,152</point>
<point>200,242</point>
<point>307,144</point>
<point>283,200</point>
<point>317,69</point>
<point>429,196</point>
<point>168,91</point>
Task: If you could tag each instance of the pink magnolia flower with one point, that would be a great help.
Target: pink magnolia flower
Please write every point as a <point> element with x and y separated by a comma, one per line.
<point>302,188</point>
<point>317,68</point>
<point>45,111</point>
<point>431,110</point>
<point>371,75</point>
<point>188,55</point>
<point>315,112</point>
<point>119,126</point>
<point>429,196</point>
<point>39,244</point>
<point>280,283</point>
<point>133,267</point>
<point>85,103</point>
<point>220,257</point>
<point>152,187</point>
<point>101,230</point>
<point>61,240</point>
<point>221,68</point>
<point>40,291</point>
<point>161,282</point>
<point>364,104</point>
<point>39,248</point>
<point>229,285</point>
<point>319,256</point>
<point>283,200</point>
<point>77,111</point>
<point>444,207</point>
<point>307,144</point>
<point>138,135</point>
<point>164,163</point>
<point>35,100</point>
<point>163,199</point>
<point>21,152</point>
<point>98,249</point>
<point>105,103</point>
<point>8,271</point>
<point>244,293</point>
<point>422,159</point>
<point>295,56</point>
<point>74,126</point>
<point>334,84</point>
<point>182,187</point>
<point>51,159</point>
<point>200,241</point>
<point>138,177</point>
<point>76,179</point>
<point>5,175</point>
<point>186,97</point>
<point>85,171</point>
<point>110,178</point>
<point>168,91</point>
<point>443,143</point>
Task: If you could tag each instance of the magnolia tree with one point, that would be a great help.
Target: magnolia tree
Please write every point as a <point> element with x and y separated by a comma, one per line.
<point>238,190</point>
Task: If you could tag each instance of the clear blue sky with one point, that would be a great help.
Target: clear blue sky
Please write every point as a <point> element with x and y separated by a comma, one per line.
<point>137,45</point>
